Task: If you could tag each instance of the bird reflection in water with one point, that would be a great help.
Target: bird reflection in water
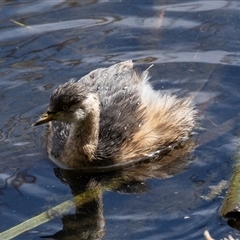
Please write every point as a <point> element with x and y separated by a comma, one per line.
<point>88,221</point>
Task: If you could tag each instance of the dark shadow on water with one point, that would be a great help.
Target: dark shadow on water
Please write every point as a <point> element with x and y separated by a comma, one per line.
<point>88,221</point>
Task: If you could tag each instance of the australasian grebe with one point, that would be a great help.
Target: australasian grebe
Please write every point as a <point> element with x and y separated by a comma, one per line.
<point>113,115</point>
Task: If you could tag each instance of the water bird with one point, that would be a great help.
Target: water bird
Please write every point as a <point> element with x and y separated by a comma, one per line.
<point>113,115</point>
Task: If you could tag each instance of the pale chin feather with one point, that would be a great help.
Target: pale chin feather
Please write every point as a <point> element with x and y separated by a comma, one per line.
<point>78,115</point>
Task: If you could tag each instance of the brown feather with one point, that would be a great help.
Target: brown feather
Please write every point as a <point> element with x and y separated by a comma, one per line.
<point>113,115</point>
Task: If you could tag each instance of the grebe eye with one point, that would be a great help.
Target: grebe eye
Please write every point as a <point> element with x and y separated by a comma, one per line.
<point>65,107</point>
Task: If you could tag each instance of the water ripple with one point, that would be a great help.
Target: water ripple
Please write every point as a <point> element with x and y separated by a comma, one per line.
<point>50,27</point>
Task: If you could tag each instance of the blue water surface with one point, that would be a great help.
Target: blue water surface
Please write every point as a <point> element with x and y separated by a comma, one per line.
<point>194,46</point>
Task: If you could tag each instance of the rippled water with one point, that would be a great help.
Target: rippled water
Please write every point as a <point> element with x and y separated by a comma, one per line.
<point>194,46</point>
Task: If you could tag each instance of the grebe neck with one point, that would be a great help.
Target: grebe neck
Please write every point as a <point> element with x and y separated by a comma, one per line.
<point>82,141</point>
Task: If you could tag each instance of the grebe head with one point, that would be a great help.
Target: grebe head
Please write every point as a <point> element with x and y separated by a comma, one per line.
<point>70,102</point>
